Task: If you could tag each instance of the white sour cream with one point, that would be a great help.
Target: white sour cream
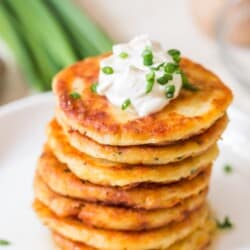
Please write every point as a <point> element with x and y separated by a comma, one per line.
<point>128,80</point>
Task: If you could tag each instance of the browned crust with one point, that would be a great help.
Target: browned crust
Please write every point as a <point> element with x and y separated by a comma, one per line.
<point>146,154</point>
<point>115,218</point>
<point>103,172</point>
<point>65,244</point>
<point>89,115</point>
<point>162,237</point>
<point>148,195</point>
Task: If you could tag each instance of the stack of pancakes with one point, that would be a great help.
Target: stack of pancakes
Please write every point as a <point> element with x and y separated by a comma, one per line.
<point>109,180</point>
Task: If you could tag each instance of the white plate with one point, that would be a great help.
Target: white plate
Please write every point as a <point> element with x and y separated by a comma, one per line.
<point>22,126</point>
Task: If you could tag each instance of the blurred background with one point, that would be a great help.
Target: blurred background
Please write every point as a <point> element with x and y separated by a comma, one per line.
<point>39,37</point>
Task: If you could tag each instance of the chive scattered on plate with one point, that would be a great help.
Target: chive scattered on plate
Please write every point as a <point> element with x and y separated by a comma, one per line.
<point>225,224</point>
<point>4,242</point>
<point>228,169</point>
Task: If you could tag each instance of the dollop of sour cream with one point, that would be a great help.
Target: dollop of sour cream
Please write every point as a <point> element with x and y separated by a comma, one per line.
<point>125,79</point>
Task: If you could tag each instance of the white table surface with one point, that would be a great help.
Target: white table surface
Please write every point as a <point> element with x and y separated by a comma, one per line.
<point>168,21</point>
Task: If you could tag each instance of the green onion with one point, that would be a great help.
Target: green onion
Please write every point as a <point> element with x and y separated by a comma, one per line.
<point>44,24</point>
<point>107,70</point>
<point>150,78</point>
<point>126,104</point>
<point>49,36</point>
<point>14,39</point>
<point>170,89</point>
<point>75,95</point>
<point>170,67</point>
<point>4,242</point>
<point>123,55</point>
<point>226,224</point>
<point>228,169</point>
<point>147,57</point>
<point>94,87</point>
<point>75,18</point>
<point>40,58</point>
<point>164,79</point>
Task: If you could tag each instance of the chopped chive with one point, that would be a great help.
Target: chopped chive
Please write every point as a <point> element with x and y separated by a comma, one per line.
<point>170,89</point>
<point>126,104</point>
<point>150,78</point>
<point>4,242</point>
<point>189,86</point>
<point>170,67</point>
<point>176,58</point>
<point>225,224</point>
<point>123,55</point>
<point>228,169</point>
<point>175,54</point>
<point>147,57</point>
<point>164,79</point>
<point>107,70</point>
<point>185,83</point>
<point>93,87</point>
<point>75,95</point>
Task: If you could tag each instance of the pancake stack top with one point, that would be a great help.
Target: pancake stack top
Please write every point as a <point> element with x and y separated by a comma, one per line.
<point>109,180</point>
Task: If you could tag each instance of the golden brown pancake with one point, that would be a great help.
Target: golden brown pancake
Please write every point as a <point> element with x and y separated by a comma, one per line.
<point>147,154</point>
<point>93,115</point>
<point>112,217</point>
<point>99,171</point>
<point>148,196</point>
<point>161,238</point>
<point>198,240</point>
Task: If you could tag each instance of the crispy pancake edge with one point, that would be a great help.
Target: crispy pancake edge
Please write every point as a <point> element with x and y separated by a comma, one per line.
<point>114,217</point>
<point>148,154</point>
<point>93,114</point>
<point>118,240</point>
<point>103,172</point>
<point>149,196</point>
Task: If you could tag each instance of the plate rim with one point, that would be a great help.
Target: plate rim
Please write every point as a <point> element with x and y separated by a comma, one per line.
<point>25,102</point>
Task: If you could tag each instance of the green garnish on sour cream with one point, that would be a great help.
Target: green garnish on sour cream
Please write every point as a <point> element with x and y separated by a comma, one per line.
<point>176,55</point>
<point>147,55</point>
<point>107,70</point>
<point>148,79</point>
<point>126,104</point>
<point>123,55</point>
<point>170,89</point>
<point>164,79</point>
